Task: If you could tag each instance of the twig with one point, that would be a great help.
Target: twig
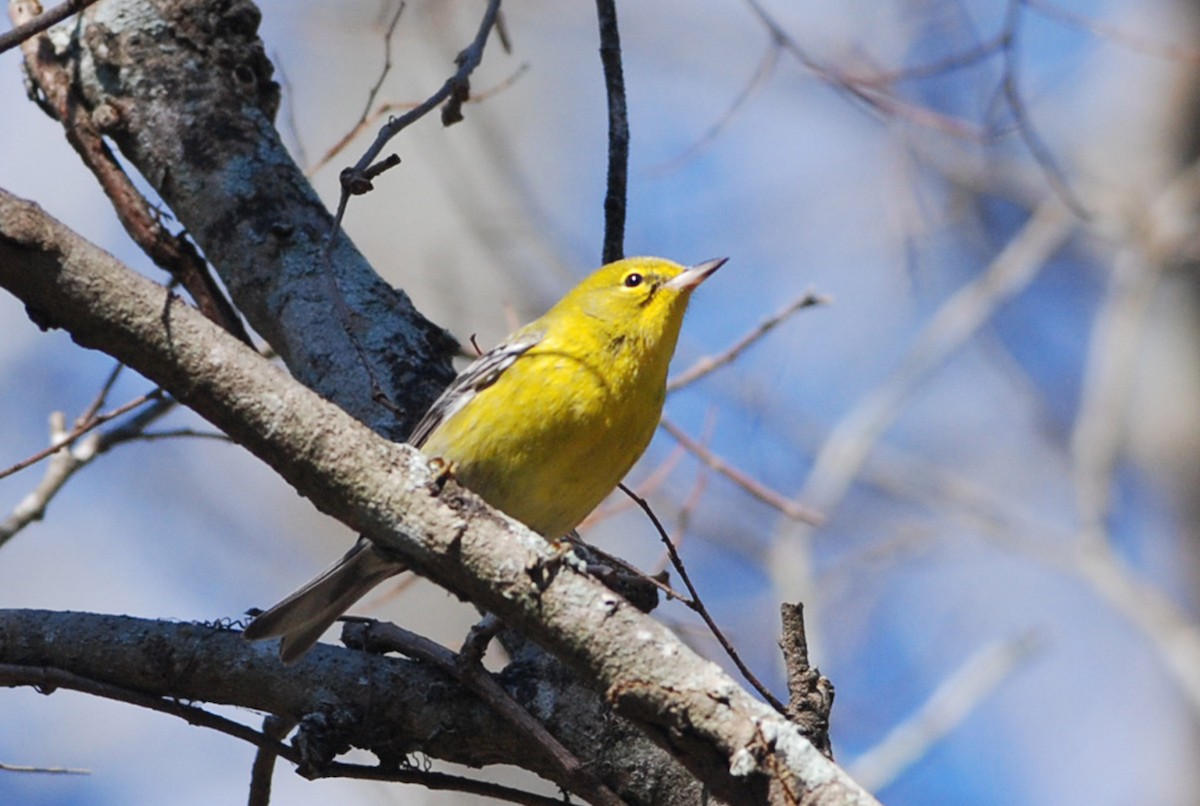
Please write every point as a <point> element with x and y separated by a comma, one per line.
<point>101,396</point>
<point>453,87</point>
<point>1113,361</point>
<point>810,695</point>
<point>952,702</point>
<point>1143,45</point>
<point>48,770</point>
<point>47,680</point>
<point>618,132</point>
<point>752,486</point>
<point>67,457</point>
<point>712,363</point>
<point>697,605</point>
<point>387,61</point>
<point>34,25</point>
<point>765,67</point>
<point>383,637</point>
<point>395,106</point>
<point>277,728</point>
<point>951,326</point>
<point>624,565</point>
<point>61,438</point>
<point>1016,105</point>
<point>866,92</point>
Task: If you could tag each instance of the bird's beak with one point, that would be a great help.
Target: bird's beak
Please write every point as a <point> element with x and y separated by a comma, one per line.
<point>696,274</point>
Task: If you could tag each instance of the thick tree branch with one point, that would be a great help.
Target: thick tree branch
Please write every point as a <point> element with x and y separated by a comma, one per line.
<point>405,706</point>
<point>738,747</point>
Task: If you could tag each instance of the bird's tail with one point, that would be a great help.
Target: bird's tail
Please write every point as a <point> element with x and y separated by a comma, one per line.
<point>302,617</point>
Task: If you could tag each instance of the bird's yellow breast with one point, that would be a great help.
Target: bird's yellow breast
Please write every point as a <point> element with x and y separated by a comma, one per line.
<point>547,459</point>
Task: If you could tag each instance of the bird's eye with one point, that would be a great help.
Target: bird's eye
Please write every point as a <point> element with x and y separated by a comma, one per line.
<point>633,280</point>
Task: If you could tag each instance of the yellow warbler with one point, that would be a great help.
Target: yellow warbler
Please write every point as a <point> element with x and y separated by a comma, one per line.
<point>542,427</point>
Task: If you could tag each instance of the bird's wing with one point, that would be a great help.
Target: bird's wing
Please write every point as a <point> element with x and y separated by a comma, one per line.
<point>479,374</point>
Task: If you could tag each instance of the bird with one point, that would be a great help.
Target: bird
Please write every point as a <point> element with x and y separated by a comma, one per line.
<point>542,427</point>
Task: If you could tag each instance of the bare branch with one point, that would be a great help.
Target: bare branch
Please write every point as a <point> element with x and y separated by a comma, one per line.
<point>709,364</point>
<point>954,323</point>
<point>32,20</point>
<point>49,770</point>
<point>751,485</point>
<point>618,132</point>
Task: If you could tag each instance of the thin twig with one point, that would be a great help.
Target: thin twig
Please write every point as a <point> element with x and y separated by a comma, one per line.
<point>357,179</point>
<point>101,396</point>
<point>48,770</point>
<point>626,566</point>
<point>48,679</point>
<point>709,364</point>
<point>68,456</point>
<point>867,93</point>
<point>752,486</point>
<point>63,439</point>
<point>467,60</point>
<point>1113,359</point>
<point>387,61</point>
<point>35,25</point>
<point>1146,46</point>
<point>618,132</point>
<point>1024,126</point>
<point>384,637</point>
<point>766,67</point>
<point>402,106</point>
<point>697,605</point>
<point>952,325</point>
<point>263,769</point>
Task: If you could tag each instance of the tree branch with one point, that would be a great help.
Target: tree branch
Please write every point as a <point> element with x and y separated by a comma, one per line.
<point>405,707</point>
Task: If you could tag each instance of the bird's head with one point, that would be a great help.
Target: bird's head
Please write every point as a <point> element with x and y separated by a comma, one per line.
<point>639,298</point>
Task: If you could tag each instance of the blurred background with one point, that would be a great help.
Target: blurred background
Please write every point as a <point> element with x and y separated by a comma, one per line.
<point>996,414</point>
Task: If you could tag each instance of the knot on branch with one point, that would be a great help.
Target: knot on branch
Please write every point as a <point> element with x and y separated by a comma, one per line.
<point>323,736</point>
<point>357,181</point>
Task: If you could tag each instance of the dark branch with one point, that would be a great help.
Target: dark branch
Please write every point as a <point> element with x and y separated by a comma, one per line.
<point>618,132</point>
